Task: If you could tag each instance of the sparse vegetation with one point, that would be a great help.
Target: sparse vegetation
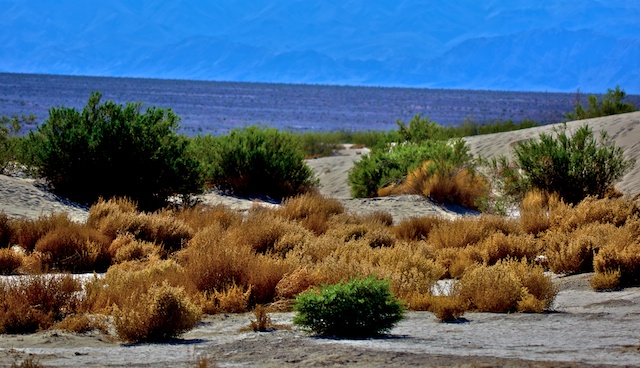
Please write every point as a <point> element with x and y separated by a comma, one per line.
<point>613,102</point>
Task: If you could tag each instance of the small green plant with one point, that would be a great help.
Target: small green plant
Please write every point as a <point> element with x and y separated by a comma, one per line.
<point>9,142</point>
<point>357,308</point>
<point>254,161</point>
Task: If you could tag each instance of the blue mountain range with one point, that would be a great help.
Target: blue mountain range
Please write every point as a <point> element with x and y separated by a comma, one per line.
<point>546,45</point>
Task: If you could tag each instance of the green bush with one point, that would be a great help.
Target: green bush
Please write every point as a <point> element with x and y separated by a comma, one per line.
<point>358,308</point>
<point>573,167</point>
<point>254,161</point>
<point>612,103</point>
<point>108,150</point>
<point>9,142</point>
<point>382,168</point>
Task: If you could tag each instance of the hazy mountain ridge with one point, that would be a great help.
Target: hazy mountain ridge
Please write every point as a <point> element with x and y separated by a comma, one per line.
<point>548,46</point>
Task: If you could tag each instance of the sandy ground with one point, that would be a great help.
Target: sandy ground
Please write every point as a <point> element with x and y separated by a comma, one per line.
<point>585,329</point>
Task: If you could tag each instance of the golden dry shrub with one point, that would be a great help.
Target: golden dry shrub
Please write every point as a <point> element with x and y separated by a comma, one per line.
<point>200,216</point>
<point>457,185</point>
<point>261,231</point>
<point>409,267</point>
<point>10,261</point>
<point>232,299</point>
<point>302,206</point>
<point>161,313</point>
<point>36,302</point>
<point>535,283</point>
<point>456,261</point>
<point>490,289</point>
<point>137,250</point>
<point>613,211</point>
<point>211,262</point>
<point>448,308</point>
<point>465,231</point>
<point>29,231</point>
<point>75,248</point>
<point>102,209</point>
<point>621,258</point>
<point>123,279</point>
<point>416,228</point>
<point>514,246</point>
<point>534,212</point>
<point>295,282</point>
<point>378,218</point>
<point>573,252</point>
<point>608,280</point>
<point>83,323</point>
<point>263,275</point>
<point>372,233</point>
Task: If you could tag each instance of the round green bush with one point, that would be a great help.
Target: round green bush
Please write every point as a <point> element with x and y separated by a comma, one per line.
<point>255,161</point>
<point>107,150</point>
<point>358,308</point>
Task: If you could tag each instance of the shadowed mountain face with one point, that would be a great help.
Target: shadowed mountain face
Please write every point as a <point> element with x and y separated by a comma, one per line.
<point>551,45</point>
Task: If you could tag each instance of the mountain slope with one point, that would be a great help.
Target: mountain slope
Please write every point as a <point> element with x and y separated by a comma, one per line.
<point>549,45</point>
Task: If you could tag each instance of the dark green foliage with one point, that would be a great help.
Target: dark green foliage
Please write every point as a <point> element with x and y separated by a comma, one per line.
<point>108,150</point>
<point>386,167</point>
<point>358,308</point>
<point>254,161</point>
<point>612,103</point>
<point>9,142</point>
<point>575,166</point>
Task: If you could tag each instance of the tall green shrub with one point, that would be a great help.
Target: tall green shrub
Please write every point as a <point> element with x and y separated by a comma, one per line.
<point>9,142</point>
<point>107,150</point>
<point>358,308</point>
<point>575,166</point>
<point>255,161</point>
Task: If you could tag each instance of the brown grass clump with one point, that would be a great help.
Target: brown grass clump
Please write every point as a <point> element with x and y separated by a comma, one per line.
<point>232,299</point>
<point>10,261</point>
<point>30,231</point>
<point>296,282</point>
<point>159,314</point>
<point>201,216</point>
<point>458,185</point>
<point>465,231</point>
<point>118,216</point>
<point>507,286</point>
<point>491,289</point>
<point>606,281</point>
<point>499,246</point>
<point>448,308</point>
<point>534,211</point>
<point>304,205</point>
<point>416,228</point>
<point>573,252</point>
<point>126,247</point>
<point>623,259</point>
<point>125,279</point>
<point>82,323</point>
<point>261,231</point>
<point>457,260</point>
<point>36,302</point>
<point>613,211</point>
<point>75,248</point>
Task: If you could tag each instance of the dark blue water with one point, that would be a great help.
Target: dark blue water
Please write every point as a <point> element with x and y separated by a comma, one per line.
<point>217,107</point>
